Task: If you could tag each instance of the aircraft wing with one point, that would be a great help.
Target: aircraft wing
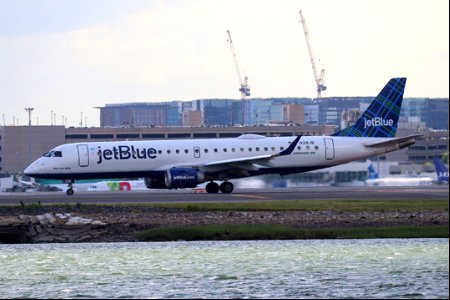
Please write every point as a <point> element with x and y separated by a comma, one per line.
<point>243,163</point>
<point>397,143</point>
<point>27,183</point>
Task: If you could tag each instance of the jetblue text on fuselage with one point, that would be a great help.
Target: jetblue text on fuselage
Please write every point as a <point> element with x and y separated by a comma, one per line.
<point>378,122</point>
<point>124,153</point>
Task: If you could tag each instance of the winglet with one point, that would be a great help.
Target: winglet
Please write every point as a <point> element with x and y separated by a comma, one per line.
<point>291,147</point>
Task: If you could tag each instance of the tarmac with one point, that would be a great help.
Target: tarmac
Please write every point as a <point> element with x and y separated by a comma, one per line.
<point>433,192</point>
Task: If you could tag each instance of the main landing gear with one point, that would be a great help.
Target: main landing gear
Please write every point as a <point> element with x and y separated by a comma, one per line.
<point>69,191</point>
<point>213,188</point>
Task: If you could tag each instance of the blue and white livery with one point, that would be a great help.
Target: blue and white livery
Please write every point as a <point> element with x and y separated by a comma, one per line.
<point>171,164</point>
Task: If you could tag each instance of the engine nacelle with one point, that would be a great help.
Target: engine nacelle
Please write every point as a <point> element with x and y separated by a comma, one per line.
<point>179,178</point>
<point>157,181</point>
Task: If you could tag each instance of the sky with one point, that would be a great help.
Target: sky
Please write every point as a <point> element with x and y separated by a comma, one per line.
<point>63,58</point>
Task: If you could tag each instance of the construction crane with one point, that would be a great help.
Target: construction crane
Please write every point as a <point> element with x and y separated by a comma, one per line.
<point>244,88</point>
<point>319,79</point>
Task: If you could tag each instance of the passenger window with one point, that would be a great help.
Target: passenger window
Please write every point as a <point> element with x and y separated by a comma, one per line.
<point>168,151</point>
<point>266,149</point>
<point>233,150</point>
<point>215,149</point>
<point>299,148</point>
<point>257,149</point>
<point>273,149</point>
<point>206,150</point>
<point>224,149</point>
<point>242,149</point>
<point>177,151</point>
<point>249,149</point>
<point>159,151</point>
<point>186,151</point>
<point>281,148</point>
<point>316,147</point>
<point>307,147</point>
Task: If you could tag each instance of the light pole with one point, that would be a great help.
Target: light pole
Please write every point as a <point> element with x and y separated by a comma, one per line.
<point>29,110</point>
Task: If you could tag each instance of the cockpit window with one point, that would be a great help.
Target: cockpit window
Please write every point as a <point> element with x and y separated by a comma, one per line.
<point>53,154</point>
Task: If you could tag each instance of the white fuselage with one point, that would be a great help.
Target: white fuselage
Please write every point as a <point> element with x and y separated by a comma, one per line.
<point>135,158</point>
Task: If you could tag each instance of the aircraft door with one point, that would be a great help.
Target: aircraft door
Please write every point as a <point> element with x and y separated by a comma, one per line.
<point>329,149</point>
<point>83,155</point>
<point>197,152</point>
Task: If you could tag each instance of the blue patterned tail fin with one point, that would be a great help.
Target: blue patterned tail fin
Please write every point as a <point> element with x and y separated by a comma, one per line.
<point>381,117</point>
<point>441,170</point>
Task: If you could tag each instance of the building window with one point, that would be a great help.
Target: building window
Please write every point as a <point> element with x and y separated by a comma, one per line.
<point>76,136</point>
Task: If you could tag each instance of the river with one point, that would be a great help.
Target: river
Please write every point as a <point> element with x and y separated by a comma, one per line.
<point>375,268</point>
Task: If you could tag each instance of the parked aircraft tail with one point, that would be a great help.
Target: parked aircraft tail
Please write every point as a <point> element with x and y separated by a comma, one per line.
<point>441,170</point>
<point>381,117</point>
<point>371,172</point>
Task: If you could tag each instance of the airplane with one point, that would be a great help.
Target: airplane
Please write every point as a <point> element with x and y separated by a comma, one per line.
<point>441,171</point>
<point>121,185</point>
<point>174,164</point>
<point>374,180</point>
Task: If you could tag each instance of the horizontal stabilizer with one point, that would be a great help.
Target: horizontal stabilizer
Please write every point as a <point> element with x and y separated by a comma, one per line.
<point>400,142</point>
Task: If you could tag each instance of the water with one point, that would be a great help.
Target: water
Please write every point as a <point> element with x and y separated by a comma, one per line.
<point>382,268</point>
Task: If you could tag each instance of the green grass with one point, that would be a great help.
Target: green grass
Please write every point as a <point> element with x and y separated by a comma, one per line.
<point>316,205</point>
<point>279,232</point>
<point>280,205</point>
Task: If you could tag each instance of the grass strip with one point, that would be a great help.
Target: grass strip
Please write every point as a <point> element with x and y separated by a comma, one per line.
<point>279,205</point>
<point>316,205</point>
<point>280,232</point>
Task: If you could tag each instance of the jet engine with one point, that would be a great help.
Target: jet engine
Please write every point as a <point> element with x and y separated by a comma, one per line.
<point>178,178</point>
<point>156,181</point>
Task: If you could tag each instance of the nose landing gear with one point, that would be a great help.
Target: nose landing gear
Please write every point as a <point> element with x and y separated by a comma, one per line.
<point>69,190</point>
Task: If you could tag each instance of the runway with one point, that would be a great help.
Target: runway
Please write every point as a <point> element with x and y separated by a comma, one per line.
<point>239,195</point>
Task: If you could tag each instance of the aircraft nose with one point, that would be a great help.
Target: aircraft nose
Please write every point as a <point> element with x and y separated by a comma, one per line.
<point>33,169</point>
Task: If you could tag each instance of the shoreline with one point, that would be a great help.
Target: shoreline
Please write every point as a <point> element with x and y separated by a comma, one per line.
<point>107,223</point>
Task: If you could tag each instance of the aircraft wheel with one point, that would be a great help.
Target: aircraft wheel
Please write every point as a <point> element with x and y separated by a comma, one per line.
<point>212,188</point>
<point>226,187</point>
<point>69,192</point>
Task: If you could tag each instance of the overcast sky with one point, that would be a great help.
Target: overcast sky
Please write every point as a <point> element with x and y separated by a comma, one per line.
<point>69,56</point>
